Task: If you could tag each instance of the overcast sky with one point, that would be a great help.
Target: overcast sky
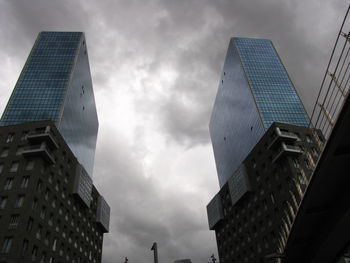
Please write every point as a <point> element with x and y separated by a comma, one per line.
<point>156,67</point>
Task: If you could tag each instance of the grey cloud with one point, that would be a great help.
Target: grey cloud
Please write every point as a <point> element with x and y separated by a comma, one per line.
<point>23,20</point>
<point>300,43</point>
<point>142,212</point>
<point>159,30</point>
<point>173,34</point>
<point>189,37</point>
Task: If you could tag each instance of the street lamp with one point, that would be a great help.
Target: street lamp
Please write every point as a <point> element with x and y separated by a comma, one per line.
<point>155,252</point>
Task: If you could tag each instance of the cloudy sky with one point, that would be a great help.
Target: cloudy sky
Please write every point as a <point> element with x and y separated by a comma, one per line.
<point>156,67</point>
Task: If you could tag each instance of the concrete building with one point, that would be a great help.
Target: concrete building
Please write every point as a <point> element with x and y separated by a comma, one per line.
<point>254,210</point>
<point>49,209</point>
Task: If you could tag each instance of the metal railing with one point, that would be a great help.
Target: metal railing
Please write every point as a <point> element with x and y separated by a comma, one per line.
<point>335,84</point>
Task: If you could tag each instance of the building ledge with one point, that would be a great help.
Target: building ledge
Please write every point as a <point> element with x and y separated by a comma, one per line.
<point>215,212</point>
<point>103,214</point>
<point>43,137</point>
<point>82,186</point>
<point>288,137</point>
<point>39,150</point>
<point>286,149</point>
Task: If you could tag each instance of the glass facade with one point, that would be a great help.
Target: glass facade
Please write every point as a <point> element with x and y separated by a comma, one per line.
<point>255,91</point>
<point>273,91</point>
<point>79,123</point>
<point>103,213</point>
<point>214,211</point>
<point>239,184</point>
<point>83,185</point>
<point>55,84</point>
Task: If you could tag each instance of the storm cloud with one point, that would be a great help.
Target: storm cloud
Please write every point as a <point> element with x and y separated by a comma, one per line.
<point>155,66</point>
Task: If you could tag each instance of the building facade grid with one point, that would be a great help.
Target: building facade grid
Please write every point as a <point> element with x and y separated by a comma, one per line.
<point>257,225</point>
<point>55,84</point>
<point>40,90</point>
<point>271,86</point>
<point>255,91</point>
<point>42,218</point>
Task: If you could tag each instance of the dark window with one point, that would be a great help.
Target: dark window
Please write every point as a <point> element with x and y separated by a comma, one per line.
<point>29,224</point>
<point>54,244</point>
<point>35,204</point>
<point>8,183</point>
<point>307,163</point>
<point>43,258</point>
<point>39,232</point>
<point>10,137</point>
<point>19,201</point>
<point>30,165</point>
<point>39,186</point>
<point>5,152</point>
<point>51,218</point>
<point>34,252</point>
<point>24,246</point>
<point>66,178</point>
<point>24,135</point>
<point>3,200</point>
<point>47,238</point>
<point>6,246</point>
<point>47,194</point>
<point>14,221</point>
<point>40,129</point>
<point>272,198</point>
<point>19,150</point>
<point>43,212</point>
<point>25,182</point>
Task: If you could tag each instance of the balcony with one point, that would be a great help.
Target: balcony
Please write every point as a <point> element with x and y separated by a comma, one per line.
<point>288,137</point>
<point>286,149</point>
<point>239,184</point>
<point>215,212</point>
<point>103,214</point>
<point>82,186</point>
<point>39,150</point>
<point>46,137</point>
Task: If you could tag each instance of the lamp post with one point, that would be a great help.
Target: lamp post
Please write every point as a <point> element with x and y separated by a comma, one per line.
<point>155,252</point>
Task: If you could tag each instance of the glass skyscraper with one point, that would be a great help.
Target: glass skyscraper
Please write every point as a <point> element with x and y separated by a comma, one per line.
<point>55,84</point>
<point>50,210</point>
<point>255,91</point>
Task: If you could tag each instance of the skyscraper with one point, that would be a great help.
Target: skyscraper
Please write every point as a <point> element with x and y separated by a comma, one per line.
<point>255,91</point>
<point>55,84</point>
<point>264,150</point>
<point>50,211</point>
